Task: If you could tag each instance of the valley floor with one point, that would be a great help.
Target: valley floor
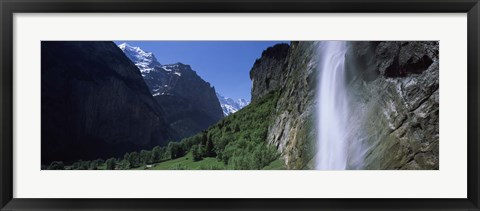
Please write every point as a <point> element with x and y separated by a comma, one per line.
<point>186,163</point>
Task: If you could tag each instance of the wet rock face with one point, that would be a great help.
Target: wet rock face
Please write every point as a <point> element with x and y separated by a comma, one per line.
<point>95,103</point>
<point>393,92</point>
<point>399,107</point>
<point>293,130</point>
<point>267,70</point>
<point>398,59</point>
<point>360,57</point>
<point>390,59</point>
<point>292,74</point>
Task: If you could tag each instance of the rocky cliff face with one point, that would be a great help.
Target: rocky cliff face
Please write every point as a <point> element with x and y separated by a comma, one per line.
<point>95,103</point>
<point>189,102</point>
<point>267,70</point>
<point>393,92</point>
<point>293,130</point>
<point>292,72</point>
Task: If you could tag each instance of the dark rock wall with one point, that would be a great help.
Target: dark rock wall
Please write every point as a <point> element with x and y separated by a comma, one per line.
<point>267,71</point>
<point>95,103</point>
<point>290,71</point>
<point>393,92</point>
<point>398,103</point>
<point>293,130</point>
<point>190,104</point>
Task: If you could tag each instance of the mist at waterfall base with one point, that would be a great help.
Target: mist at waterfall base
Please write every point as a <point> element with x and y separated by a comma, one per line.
<point>335,143</point>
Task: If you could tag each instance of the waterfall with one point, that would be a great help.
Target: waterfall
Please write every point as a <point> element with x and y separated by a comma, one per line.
<point>332,144</point>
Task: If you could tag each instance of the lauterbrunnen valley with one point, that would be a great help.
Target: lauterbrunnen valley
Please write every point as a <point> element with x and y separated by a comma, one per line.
<point>239,105</point>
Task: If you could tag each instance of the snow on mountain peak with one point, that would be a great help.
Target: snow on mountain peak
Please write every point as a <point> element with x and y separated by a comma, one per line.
<point>229,105</point>
<point>145,61</point>
<point>123,46</point>
<point>162,79</point>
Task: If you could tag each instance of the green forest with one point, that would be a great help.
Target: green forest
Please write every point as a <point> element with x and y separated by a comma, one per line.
<point>236,142</point>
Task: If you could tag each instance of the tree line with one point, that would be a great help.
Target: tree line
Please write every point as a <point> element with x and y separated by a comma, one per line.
<point>237,140</point>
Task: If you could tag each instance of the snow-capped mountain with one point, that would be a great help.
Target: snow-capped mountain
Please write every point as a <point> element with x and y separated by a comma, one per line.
<point>189,102</point>
<point>159,78</point>
<point>229,105</point>
<point>145,61</point>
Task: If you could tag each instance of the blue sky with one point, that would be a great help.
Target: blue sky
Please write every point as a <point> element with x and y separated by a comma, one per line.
<point>225,64</point>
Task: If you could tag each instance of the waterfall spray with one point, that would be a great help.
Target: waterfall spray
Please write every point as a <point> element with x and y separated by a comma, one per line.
<point>332,144</point>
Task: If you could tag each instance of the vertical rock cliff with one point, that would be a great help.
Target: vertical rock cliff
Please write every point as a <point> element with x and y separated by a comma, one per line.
<point>392,92</point>
<point>190,102</point>
<point>95,103</point>
<point>394,89</point>
<point>267,71</point>
<point>291,71</point>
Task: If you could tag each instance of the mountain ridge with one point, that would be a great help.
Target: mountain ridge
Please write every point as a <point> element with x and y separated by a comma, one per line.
<point>97,86</point>
<point>229,105</point>
<point>190,103</point>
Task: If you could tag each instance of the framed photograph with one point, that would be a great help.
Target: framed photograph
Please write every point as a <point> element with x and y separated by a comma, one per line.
<point>251,105</point>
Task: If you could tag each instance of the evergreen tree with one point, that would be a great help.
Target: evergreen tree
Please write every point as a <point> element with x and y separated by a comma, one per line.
<point>157,154</point>
<point>145,157</point>
<point>196,154</point>
<point>209,149</point>
<point>175,149</point>
<point>111,163</point>
<point>133,159</point>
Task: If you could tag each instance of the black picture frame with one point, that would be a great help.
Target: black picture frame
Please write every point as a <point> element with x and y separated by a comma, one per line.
<point>9,7</point>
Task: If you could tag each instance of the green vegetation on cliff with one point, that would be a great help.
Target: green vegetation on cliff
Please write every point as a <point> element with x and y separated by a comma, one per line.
<point>239,139</point>
<point>236,142</point>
